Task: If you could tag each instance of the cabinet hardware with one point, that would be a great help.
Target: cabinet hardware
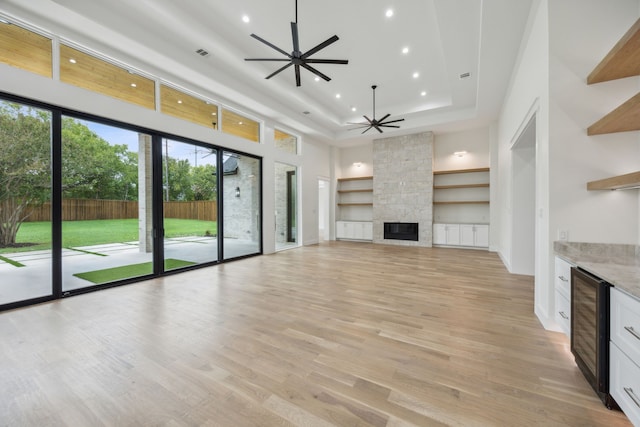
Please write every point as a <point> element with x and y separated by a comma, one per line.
<point>563,315</point>
<point>632,331</point>
<point>564,279</point>
<point>632,395</point>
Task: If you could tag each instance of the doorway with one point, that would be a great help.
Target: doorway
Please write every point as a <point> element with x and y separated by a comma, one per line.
<point>323,209</point>
<point>286,201</point>
<point>523,233</point>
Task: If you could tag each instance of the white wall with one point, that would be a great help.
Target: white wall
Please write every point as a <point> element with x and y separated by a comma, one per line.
<point>564,41</point>
<point>581,33</point>
<point>362,154</point>
<point>527,96</point>
<point>475,142</point>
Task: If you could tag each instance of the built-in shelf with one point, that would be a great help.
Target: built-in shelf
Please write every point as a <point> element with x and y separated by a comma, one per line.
<point>354,208</point>
<point>463,202</point>
<point>623,119</point>
<point>368,190</point>
<point>461,171</point>
<point>447,187</point>
<point>623,60</point>
<point>620,182</point>
<point>358,178</point>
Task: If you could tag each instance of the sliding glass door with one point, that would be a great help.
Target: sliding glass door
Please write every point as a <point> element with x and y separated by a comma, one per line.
<point>286,206</point>
<point>242,200</point>
<point>25,203</point>
<point>106,204</point>
<point>189,189</point>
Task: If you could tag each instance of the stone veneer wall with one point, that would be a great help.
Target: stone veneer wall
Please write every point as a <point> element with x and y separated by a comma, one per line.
<point>403,185</point>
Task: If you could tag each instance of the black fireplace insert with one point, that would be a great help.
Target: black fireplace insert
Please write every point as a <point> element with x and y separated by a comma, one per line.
<point>401,231</point>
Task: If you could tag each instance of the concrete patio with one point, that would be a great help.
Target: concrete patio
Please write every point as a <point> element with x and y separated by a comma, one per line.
<point>34,279</point>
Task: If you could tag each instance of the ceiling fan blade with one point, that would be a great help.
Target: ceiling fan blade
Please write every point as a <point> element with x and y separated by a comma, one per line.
<point>316,72</point>
<point>382,119</point>
<point>378,128</point>
<point>366,129</point>
<point>369,120</point>
<point>267,59</point>
<point>294,36</point>
<point>389,126</point>
<point>298,75</point>
<point>326,61</point>
<point>279,70</point>
<point>393,121</point>
<point>321,46</point>
<point>360,123</point>
<point>272,46</point>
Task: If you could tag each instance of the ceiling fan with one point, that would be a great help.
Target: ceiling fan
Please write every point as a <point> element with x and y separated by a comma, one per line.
<point>297,58</point>
<point>373,123</point>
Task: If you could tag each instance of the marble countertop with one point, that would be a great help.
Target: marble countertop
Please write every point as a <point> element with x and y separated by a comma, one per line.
<point>617,264</point>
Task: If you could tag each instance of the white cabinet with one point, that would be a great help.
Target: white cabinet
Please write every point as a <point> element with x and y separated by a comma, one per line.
<point>562,284</point>
<point>354,230</point>
<point>472,235</point>
<point>625,353</point>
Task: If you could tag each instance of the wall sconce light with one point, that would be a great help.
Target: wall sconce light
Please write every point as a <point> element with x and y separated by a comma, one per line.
<point>357,164</point>
<point>459,153</point>
<point>237,191</point>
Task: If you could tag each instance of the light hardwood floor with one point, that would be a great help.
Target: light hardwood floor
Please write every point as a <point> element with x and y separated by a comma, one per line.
<point>345,334</point>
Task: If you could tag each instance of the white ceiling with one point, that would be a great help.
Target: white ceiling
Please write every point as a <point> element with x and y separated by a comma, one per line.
<point>445,39</point>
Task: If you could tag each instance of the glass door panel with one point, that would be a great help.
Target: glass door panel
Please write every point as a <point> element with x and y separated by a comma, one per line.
<point>189,180</point>
<point>242,214</point>
<point>25,203</point>
<point>106,204</point>
<point>286,200</point>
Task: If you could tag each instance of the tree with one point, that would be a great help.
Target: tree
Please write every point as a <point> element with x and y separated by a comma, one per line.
<point>203,182</point>
<point>92,168</point>
<point>25,165</point>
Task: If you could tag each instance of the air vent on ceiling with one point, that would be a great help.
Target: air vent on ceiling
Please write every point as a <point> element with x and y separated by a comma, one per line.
<point>202,52</point>
<point>464,75</point>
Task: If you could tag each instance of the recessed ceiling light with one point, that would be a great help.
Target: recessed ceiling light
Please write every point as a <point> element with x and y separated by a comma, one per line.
<point>389,13</point>
<point>353,108</point>
<point>338,95</point>
<point>240,123</point>
<point>423,93</point>
<point>416,75</point>
<point>134,85</point>
<point>405,50</point>
<point>73,61</point>
<point>214,114</point>
<point>306,112</point>
<point>179,101</point>
<point>246,19</point>
<point>317,79</point>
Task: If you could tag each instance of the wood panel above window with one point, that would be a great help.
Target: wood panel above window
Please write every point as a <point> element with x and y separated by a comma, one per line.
<point>238,125</point>
<point>97,75</point>
<point>184,106</point>
<point>25,49</point>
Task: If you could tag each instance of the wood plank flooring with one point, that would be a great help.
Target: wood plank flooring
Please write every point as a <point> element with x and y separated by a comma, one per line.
<point>338,334</point>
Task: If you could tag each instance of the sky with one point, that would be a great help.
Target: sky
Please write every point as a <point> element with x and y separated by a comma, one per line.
<point>196,155</point>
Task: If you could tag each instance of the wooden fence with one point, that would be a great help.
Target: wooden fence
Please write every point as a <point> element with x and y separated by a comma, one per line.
<point>91,209</point>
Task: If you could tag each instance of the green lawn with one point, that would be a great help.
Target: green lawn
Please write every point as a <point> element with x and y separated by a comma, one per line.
<point>96,232</point>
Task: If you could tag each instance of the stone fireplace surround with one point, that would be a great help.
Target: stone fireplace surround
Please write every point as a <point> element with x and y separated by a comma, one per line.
<point>403,186</point>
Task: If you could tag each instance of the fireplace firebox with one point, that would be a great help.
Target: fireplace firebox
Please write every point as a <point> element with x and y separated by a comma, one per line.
<point>401,231</point>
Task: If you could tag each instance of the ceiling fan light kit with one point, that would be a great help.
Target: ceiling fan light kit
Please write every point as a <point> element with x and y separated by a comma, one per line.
<point>374,123</point>
<point>297,58</point>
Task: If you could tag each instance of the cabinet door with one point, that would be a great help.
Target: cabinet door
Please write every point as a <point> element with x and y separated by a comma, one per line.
<point>453,234</point>
<point>467,237</point>
<point>340,230</point>
<point>368,230</point>
<point>481,235</point>
<point>439,234</point>
<point>358,230</point>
